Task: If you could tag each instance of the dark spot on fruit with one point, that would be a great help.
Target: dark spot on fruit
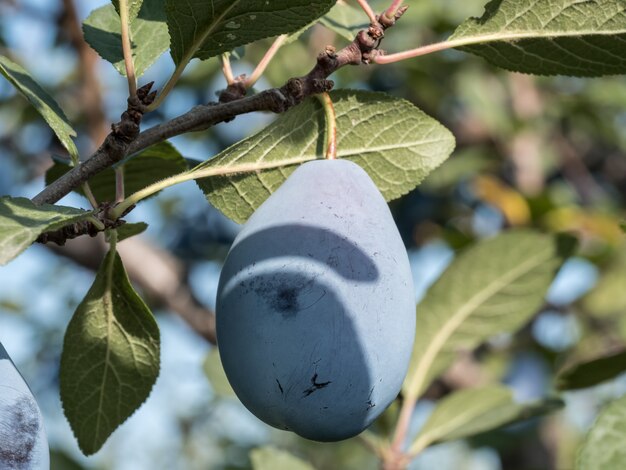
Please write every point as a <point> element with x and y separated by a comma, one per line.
<point>315,386</point>
<point>19,428</point>
<point>369,402</point>
<point>280,386</point>
<point>282,295</point>
<point>286,299</point>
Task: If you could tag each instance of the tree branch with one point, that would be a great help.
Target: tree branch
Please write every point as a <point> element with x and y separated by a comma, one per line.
<point>126,140</point>
<point>114,149</point>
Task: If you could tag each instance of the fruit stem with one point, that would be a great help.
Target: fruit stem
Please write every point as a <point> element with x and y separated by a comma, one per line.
<point>397,458</point>
<point>331,126</point>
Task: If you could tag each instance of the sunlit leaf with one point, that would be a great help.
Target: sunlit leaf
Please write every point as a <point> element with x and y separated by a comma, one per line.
<point>469,412</point>
<point>549,37</point>
<point>493,287</point>
<point>394,141</point>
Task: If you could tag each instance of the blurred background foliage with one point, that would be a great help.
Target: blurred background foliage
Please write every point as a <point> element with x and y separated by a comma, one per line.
<point>542,152</point>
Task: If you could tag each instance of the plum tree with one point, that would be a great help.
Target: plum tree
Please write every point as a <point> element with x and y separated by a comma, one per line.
<point>23,443</point>
<point>315,309</point>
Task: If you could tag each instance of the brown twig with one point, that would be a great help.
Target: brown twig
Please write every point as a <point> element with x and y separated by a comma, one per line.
<point>126,140</point>
<point>91,226</point>
<point>113,150</point>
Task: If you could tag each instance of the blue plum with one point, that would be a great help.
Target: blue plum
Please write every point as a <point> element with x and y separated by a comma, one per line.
<point>23,444</point>
<point>315,305</point>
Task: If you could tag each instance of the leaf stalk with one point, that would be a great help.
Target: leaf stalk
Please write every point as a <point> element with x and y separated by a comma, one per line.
<point>127,48</point>
<point>227,70</point>
<point>265,61</point>
<point>365,6</point>
<point>390,13</point>
<point>199,172</point>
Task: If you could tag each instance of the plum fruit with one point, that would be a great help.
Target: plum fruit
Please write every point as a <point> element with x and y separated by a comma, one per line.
<point>315,305</point>
<point>23,444</point>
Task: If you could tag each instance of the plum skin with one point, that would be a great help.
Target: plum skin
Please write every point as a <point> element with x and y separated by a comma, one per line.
<point>316,305</point>
<point>23,443</point>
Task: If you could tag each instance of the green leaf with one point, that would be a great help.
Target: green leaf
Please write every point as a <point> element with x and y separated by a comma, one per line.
<point>604,446</point>
<point>21,222</point>
<point>470,412</point>
<point>217,377</point>
<point>110,358</point>
<point>130,230</point>
<point>133,7</point>
<point>549,37</point>
<point>42,101</point>
<point>592,372</point>
<point>203,29</point>
<point>153,164</point>
<point>493,287</point>
<point>150,39</point>
<point>270,458</point>
<point>395,142</point>
<point>345,20</point>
